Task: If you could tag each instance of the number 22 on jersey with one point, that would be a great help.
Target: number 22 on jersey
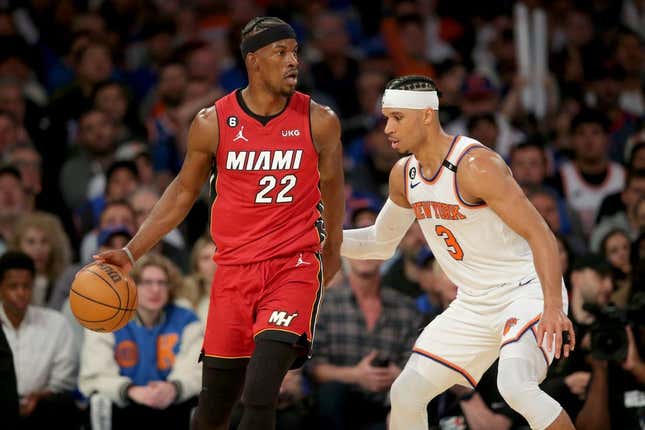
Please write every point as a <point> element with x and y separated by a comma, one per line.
<point>454,249</point>
<point>269,182</point>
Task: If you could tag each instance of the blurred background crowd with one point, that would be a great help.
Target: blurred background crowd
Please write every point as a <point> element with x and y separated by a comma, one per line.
<point>96,97</point>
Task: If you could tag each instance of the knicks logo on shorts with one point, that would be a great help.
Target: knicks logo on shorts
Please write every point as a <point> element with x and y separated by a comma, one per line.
<point>509,324</point>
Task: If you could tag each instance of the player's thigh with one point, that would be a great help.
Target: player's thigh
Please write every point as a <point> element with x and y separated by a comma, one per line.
<point>457,347</point>
<point>518,324</point>
<point>288,308</point>
<point>229,327</point>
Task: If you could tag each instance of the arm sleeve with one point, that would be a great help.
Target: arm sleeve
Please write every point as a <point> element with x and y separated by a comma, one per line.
<point>99,370</point>
<point>187,371</point>
<point>380,240</point>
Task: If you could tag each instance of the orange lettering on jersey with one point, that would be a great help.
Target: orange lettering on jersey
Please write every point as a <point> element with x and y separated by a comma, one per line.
<point>454,212</point>
<point>165,354</point>
<point>423,210</point>
<point>418,210</point>
<point>509,324</point>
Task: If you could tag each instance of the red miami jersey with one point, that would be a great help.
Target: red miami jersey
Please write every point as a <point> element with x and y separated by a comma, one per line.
<point>266,197</point>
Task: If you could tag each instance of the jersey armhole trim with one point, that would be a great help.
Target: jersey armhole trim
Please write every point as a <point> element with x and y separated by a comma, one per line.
<point>311,130</point>
<point>405,178</point>
<point>456,186</point>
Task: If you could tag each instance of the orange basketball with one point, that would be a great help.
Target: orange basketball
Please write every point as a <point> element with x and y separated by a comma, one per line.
<point>102,298</point>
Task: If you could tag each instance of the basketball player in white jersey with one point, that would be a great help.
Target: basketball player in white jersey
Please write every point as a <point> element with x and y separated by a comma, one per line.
<point>492,243</point>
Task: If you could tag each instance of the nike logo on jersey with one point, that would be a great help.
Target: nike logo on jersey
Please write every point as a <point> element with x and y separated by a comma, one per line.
<point>437,210</point>
<point>301,262</point>
<point>240,135</point>
<point>414,185</point>
<point>521,284</point>
<point>264,160</point>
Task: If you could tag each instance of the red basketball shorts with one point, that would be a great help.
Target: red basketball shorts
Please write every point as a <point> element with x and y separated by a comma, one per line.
<point>275,299</point>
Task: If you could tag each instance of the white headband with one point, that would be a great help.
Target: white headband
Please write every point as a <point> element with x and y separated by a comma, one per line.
<point>407,99</point>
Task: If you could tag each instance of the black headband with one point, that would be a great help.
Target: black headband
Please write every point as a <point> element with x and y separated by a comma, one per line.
<point>265,37</point>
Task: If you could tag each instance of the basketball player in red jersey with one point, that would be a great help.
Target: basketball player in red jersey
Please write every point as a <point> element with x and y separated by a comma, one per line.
<point>278,160</point>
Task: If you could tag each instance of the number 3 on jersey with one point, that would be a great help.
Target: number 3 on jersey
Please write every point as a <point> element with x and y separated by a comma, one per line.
<point>269,182</point>
<point>453,246</point>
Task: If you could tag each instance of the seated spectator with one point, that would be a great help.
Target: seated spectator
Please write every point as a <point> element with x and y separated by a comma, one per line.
<point>616,249</point>
<point>148,370</point>
<point>14,203</point>
<point>591,175</point>
<point>560,218</point>
<point>617,203</point>
<point>438,288</point>
<point>529,164</point>
<point>9,389</point>
<point>591,283</point>
<point>28,161</point>
<point>83,175</point>
<point>122,178</point>
<point>117,213</point>
<point>41,236</point>
<point>196,289</point>
<point>41,342</point>
<point>364,336</point>
<point>114,99</point>
<point>172,245</point>
<point>624,218</point>
<point>617,374</point>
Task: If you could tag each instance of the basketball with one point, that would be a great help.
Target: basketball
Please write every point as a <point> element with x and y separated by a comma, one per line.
<point>102,298</point>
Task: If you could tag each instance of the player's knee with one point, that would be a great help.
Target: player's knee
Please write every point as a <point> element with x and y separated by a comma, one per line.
<point>410,391</point>
<point>514,385</point>
<point>519,388</point>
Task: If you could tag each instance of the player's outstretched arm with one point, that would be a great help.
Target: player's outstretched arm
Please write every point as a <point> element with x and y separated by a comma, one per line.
<point>483,175</point>
<point>380,240</point>
<point>179,196</point>
<point>326,134</point>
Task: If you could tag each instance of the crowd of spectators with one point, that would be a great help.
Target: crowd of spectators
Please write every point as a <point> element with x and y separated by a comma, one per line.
<point>96,97</point>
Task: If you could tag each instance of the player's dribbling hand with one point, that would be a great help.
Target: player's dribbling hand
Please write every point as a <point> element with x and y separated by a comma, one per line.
<point>552,324</point>
<point>117,257</point>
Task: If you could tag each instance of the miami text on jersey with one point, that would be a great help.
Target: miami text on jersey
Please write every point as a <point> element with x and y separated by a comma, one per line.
<point>264,160</point>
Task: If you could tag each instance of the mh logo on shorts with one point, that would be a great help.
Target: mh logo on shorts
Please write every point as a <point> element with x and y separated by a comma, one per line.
<point>282,318</point>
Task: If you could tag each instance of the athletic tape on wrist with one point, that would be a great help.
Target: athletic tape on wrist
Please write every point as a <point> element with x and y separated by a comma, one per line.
<point>129,254</point>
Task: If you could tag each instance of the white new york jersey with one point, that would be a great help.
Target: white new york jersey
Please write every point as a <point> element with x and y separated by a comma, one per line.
<point>474,247</point>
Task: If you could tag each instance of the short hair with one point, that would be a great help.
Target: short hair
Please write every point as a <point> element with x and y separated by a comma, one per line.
<point>118,202</point>
<point>477,118</point>
<point>590,116</point>
<point>413,83</point>
<point>594,262</point>
<point>534,143</point>
<point>259,24</point>
<point>16,260</point>
<point>121,164</point>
